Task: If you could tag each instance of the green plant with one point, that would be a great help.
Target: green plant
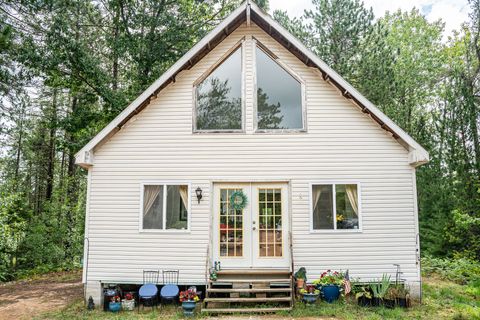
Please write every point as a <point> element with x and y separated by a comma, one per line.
<point>392,293</point>
<point>330,277</point>
<point>301,274</point>
<point>402,291</point>
<point>310,291</point>
<point>363,291</point>
<point>380,288</point>
<point>461,270</point>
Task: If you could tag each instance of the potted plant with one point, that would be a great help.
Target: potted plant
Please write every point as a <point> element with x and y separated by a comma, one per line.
<point>115,304</point>
<point>364,296</point>
<point>189,299</point>
<point>310,294</point>
<point>390,297</point>
<point>301,277</point>
<point>329,285</point>
<point>403,296</point>
<point>380,289</point>
<point>129,302</point>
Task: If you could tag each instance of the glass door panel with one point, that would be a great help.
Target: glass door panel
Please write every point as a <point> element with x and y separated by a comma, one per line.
<point>270,222</point>
<point>231,230</point>
<point>230,226</point>
<point>270,218</point>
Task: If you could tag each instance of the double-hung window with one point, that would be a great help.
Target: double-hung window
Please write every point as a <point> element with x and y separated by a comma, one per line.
<point>335,207</point>
<point>165,207</point>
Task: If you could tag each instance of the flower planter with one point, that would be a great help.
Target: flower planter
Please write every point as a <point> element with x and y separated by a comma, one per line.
<point>402,302</point>
<point>128,305</point>
<point>389,303</point>
<point>364,302</point>
<point>376,302</point>
<point>188,308</point>
<point>300,283</point>
<point>115,306</point>
<point>330,292</point>
<point>310,297</point>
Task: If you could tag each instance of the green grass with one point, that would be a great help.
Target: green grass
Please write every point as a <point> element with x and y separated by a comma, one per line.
<point>443,299</point>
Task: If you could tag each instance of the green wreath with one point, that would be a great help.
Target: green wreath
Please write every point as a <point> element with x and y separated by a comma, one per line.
<point>238,200</point>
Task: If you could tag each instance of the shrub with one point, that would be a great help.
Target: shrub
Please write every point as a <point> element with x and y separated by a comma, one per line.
<point>460,270</point>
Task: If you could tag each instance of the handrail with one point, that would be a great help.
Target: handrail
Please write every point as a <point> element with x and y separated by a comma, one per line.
<point>207,265</point>
<point>85,265</point>
<point>291,251</point>
<point>292,270</point>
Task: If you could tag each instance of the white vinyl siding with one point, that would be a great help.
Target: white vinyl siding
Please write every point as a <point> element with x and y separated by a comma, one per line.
<point>342,143</point>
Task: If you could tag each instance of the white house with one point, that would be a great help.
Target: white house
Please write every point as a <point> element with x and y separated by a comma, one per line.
<point>320,177</point>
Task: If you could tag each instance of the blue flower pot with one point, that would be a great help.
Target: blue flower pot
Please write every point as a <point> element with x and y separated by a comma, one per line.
<point>310,297</point>
<point>188,308</point>
<point>330,292</point>
<point>115,306</point>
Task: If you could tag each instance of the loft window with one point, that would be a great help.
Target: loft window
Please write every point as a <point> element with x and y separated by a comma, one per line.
<point>165,207</point>
<point>219,96</point>
<point>335,207</point>
<point>279,96</point>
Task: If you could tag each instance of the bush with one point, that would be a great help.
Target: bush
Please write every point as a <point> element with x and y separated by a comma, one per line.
<point>460,270</point>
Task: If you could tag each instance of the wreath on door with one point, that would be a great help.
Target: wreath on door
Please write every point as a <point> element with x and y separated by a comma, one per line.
<point>238,200</point>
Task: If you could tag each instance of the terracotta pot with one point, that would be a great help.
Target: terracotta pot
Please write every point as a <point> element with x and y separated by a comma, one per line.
<point>300,283</point>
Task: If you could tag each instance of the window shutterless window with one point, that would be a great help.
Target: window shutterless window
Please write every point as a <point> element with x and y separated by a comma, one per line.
<point>335,207</point>
<point>165,207</point>
<point>218,96</point>
<point>279,95</point>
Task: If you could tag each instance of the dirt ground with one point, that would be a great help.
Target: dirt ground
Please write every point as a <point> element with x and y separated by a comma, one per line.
<point>25,299</point>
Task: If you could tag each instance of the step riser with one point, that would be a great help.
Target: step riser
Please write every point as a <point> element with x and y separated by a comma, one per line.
<point>248,300</point>
<point>250,277</point>
<point>250,310</point>
<point>242,290</point>
<point>252,290</point>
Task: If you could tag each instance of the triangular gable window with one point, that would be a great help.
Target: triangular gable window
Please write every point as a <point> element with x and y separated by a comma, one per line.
<point>219,96</point>
<point>279,96</point>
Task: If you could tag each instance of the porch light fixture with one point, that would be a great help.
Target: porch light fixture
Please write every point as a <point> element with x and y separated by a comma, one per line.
<point>198,192</point>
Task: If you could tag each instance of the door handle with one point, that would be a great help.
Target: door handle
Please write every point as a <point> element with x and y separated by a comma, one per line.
<point>254,228</point>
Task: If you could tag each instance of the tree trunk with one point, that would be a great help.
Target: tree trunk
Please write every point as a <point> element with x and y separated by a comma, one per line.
<point>51,148</point>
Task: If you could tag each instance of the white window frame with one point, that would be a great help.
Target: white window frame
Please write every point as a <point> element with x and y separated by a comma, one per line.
<point>165,184</point>
<point>256,43</point>
<point>240,45</point>
<point>334,193</point>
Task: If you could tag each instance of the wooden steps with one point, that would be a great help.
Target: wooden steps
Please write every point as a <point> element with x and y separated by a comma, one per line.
<point>228,280</point>
<point>254,272</point>
<point>249,291</point>
<point>266,299</point>
<point>246,310</point>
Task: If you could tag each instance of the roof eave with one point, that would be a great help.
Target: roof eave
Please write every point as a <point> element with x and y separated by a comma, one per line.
<point>417,154</point>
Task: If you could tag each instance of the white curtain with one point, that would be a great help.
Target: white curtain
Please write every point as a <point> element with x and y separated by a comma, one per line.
<point>352,195</point>
<point>150,193</point>
<point>184,195</point>
<point>316,193</point>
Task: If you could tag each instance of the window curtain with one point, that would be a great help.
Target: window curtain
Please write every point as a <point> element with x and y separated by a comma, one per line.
<point>150,193</point>
<point>316,193</point>
<point>352,195</point>
<point>184,195</point>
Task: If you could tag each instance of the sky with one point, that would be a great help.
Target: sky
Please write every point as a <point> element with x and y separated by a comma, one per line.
<point>452,12</point>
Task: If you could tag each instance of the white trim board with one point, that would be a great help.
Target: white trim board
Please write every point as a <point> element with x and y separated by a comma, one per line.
<point>417,154</point>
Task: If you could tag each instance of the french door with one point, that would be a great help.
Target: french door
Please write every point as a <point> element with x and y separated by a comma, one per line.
<point>255,236</point>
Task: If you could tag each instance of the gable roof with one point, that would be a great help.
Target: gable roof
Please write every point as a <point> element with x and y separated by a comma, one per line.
<point>248,12</point>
